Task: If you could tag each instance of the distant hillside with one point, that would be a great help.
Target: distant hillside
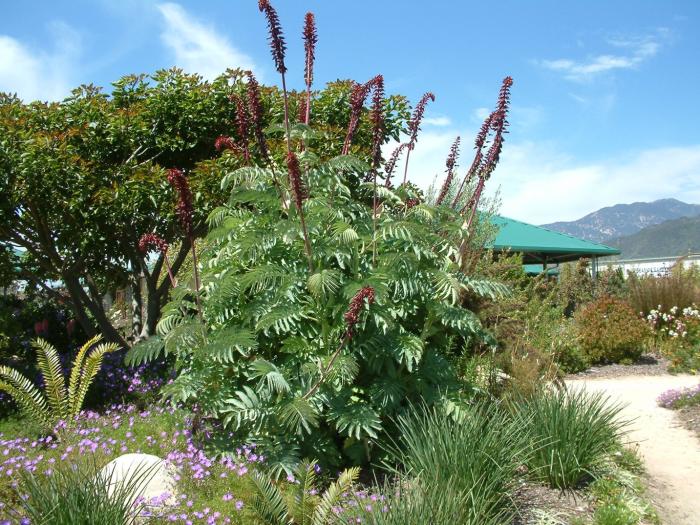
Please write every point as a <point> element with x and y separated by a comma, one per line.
<point>623,220</point>
<point>670,238</point>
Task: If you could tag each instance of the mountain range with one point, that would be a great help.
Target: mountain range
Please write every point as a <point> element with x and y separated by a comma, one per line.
<point>665,227</point>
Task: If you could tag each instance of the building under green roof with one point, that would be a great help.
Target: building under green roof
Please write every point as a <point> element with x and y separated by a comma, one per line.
<point>542,246</point>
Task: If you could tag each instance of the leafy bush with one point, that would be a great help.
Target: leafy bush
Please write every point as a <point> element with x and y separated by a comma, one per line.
<point>59,402</point>
<point>473,455</point>
<point>567,351</point>
<point>677,336</point>
<point>570,433</point>
<point>611,331</point>
<point>79,496</point>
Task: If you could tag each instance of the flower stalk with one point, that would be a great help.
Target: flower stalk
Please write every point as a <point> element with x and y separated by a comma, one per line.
<point>450,164</point>
<point>299,194</point>
<point>310,40</point>
<point>414,128</point>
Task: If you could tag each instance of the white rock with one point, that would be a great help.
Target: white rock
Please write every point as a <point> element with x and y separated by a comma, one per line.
<point>149,480</point>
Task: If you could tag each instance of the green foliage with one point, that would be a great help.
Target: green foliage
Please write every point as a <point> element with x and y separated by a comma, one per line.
<point>473,456</point>
<point>58,402</point>
<point>611,331</point>
<point>570,434</point>
<point>272,360</point>
<point>82,496</point>
<point>300,503</point>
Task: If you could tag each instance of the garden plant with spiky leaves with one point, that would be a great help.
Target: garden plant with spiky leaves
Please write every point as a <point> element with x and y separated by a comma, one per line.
<point>59,401</point>
<point>300,503</point>
<point>326,313</point>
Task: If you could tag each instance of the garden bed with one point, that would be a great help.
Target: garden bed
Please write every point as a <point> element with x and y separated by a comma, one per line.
<point>646,365</point>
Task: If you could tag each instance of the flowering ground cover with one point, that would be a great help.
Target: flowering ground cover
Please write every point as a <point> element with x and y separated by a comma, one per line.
<point>209,491</point>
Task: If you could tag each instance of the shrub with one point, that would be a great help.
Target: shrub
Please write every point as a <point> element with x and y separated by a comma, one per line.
<point>59,402</point>
<point>570,433</point>
<point>474,454</point>
<point>680,398</point>
<point>330,300</point>
<point>611,331</point>
<point>566,348</point>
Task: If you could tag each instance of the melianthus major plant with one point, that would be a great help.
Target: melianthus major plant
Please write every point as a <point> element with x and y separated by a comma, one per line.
<point>329,300</point>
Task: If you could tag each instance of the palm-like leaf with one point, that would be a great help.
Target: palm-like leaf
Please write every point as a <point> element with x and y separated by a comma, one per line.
<point>268,502</point>
<point>25,394</point>
<point>54,383</point>
<point>331,497</point>
<point>88,371</point>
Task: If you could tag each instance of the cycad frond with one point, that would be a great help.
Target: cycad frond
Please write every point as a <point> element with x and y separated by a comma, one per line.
<point>26,395</point>
<point>89,370</point>
<point>268,501</point>
<point>324,514</point>
<point>304,500</point>
<point>77,370</point>
<point>54,383</point>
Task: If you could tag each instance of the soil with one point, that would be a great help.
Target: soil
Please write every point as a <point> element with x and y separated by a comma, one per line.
<point>671,453</point>
<point>647,365</point>
<point>532,498</point>
<point>690,419</point>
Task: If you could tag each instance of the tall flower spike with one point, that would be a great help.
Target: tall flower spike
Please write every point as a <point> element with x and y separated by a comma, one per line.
<point>243,124</point>
<point>310,40</point>
<point>184,208</point>
<point>295,182</point>
<point>256,113</point>
<point>414,128</point>
<point>357,101</point>
<point>478,157</point>
<point>376,116</point>
<point>277,44</point>
<point>299,194</point>
<point>450,164</point>
<point>391,163</point>
<point>352,315</point>
<point>223,142</point>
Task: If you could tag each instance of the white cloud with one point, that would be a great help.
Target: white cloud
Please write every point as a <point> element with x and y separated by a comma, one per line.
<point>480,114</point>
<point>40,74</point>
<point>197,47</point>
<point>437,121</point>
<point>539,183</point>
<point>636,51</point>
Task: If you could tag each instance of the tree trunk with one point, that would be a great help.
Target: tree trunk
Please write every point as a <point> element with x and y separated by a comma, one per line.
<point>136,307</point>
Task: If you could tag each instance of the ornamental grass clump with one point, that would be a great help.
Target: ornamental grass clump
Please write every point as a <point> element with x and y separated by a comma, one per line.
<point>473,455</point>
<point>570,433</point>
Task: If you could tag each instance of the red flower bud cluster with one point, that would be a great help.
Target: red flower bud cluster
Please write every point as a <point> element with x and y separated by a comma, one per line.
<point>450,164</point>
<point>223,142</point>
<point>256,113</point>
<point>149,241</point>
<point>277,44</point>
<point>498,126</point>
<point>410,203</point>
<point>357,101</point>
<point>352,316</point>
<point>295,182</point>
<point>416,118</point>
<point>184,208</point>
<point>243,124</point>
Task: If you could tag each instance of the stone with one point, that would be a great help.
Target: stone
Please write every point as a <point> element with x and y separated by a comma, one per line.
<point>150,480</point>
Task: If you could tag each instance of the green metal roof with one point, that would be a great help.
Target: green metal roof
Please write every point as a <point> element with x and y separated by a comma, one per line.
<point>539,244</point>
<point>536,269</point>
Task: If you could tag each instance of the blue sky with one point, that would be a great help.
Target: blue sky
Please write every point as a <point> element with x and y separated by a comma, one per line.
<point>604,107</point>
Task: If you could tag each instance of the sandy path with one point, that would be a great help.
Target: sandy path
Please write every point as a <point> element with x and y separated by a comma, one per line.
<point>671,453</point>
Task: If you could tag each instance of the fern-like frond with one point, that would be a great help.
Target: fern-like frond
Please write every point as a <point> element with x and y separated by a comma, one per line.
<point>298,415</point>
<point>324,514</point>
<point>268,503</point>
<point>54,383</point>
<point>226,345</point>
<point>144,351</point>
<point>26,395</point>
<point>262,278</point>
<point>324,283</point>
<point>485,287</point>
<point>303,494</point>
<point>356,420</point>
<point>248,176</point>
<point>270,375</point>
<point>89,370</point>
